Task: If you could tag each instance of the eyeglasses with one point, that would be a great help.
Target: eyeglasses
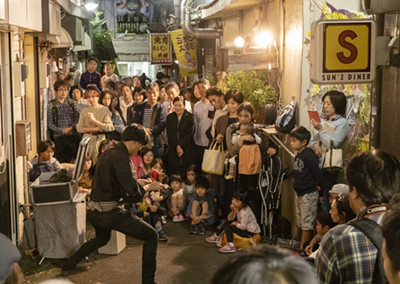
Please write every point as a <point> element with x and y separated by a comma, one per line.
<point>62,90</point>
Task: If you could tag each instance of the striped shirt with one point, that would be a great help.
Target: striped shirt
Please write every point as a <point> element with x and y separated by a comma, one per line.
<point>148,112</point>
<point>346,255</point>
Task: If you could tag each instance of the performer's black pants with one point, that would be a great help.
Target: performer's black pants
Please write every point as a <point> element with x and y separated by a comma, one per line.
<point>127,223</point>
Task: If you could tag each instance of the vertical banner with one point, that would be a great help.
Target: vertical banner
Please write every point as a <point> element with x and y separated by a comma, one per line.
<point>160,49</point>
<point>186,52</point>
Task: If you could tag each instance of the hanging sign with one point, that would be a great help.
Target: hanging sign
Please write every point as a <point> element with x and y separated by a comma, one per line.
<point>342,51</point>
<point>186,52</point>
<point>160,49</point>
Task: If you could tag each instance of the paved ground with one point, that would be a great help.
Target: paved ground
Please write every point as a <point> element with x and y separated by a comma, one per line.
<point>186,259</point>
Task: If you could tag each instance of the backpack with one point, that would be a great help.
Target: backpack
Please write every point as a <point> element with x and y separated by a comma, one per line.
<point>373,232</point>
<point>249,159</point>
<point>38,169</point>
<point>286,119</point>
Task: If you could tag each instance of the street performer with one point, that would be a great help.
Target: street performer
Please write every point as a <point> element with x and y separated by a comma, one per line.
<point>115,180</point>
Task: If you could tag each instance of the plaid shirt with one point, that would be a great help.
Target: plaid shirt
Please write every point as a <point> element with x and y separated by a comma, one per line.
<point>68,116</point>
<point>346,255</point>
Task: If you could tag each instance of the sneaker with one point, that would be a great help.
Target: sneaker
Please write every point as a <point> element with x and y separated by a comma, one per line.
<point>228,248</point>
<point>192,229</point>
<point>213,239</point>
<point>181,218</point>
<point>175,219</point>
<point>200,229</point>
<point>164,219</point>
<point>162,237</point>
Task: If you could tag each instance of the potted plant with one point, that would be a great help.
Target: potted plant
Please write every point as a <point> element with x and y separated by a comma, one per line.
<point>256,88</point>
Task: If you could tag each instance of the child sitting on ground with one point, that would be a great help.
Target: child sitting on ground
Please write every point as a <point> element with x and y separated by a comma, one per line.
<point>160,197</point>
<point>201,208</point>
<point>177,201</point>
<point>324,223</point>
<point>85,180</point>
<point>241,221</point>
<point>151,213</point>
<point>147,159</point>
<point>307,178</point>
<point>189,185</point>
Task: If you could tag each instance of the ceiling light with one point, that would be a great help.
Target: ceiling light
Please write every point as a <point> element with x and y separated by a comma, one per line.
<point>91,5</point>
<point>239,41</point>
<point>264,39</point>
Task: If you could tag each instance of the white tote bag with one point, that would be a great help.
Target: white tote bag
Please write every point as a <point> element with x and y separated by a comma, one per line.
<point>213,159</point>
<point>333,161</point>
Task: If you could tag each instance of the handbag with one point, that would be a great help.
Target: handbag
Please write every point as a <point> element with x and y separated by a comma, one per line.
<point>213,159</point>
<point>333,162</point>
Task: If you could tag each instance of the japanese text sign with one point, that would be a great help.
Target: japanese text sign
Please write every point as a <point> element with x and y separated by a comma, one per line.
<point>342,51</point>
<point>160,49</point>
<point>186,52</point>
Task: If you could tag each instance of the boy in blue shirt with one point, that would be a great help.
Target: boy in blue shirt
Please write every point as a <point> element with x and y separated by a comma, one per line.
<point>201,208</point>
<point>307,181</point>
<point>90,76</point>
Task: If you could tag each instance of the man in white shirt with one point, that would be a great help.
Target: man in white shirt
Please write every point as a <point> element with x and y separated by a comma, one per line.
<point>202,110</point>
<point>172,90</point>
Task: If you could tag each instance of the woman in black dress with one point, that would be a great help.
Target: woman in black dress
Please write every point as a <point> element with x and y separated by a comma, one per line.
<point>180,132</point>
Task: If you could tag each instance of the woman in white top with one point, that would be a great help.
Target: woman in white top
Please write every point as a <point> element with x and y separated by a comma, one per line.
<point>93,121</point>
<point>334,128</point>
<point>126,100</point>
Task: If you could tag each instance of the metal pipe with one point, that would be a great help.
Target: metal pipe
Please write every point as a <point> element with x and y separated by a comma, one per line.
<point>187,27</point>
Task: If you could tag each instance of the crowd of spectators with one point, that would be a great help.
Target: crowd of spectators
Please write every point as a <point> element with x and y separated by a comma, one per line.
<point>183,123</point>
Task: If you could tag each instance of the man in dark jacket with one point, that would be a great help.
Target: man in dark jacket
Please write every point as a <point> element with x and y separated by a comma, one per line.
<point>153,116</point>
<point>115,179</point>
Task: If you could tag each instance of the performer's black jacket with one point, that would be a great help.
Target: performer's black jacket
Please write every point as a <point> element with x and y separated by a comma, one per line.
<point>113,179</point>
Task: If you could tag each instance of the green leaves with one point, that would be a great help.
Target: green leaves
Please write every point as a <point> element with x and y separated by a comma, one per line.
<point>255,86</point>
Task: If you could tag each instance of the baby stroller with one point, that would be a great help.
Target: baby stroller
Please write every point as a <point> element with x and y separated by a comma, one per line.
<point>271,176</point>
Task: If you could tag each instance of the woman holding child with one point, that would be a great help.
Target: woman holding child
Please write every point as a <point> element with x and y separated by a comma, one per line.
<point>180,132</point>
<point>332,129</point>
<point>235,141</point>
<point>233,100</point>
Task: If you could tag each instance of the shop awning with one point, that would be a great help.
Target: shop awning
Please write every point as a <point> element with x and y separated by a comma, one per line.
<point>86,46</point>
<point>62,41</point>
<point>75,10</point>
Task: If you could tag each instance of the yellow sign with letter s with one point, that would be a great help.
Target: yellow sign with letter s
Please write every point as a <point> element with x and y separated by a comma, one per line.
<point>347,47</point>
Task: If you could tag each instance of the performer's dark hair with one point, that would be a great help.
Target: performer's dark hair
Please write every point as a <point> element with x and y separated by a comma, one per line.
<point>136,132</point>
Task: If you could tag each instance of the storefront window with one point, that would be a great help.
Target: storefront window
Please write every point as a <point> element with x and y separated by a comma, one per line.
<point>137,68</point>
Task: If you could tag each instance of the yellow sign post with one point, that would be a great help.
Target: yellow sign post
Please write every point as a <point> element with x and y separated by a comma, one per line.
<point>186,52</point>
<point>342,51</point>
<point>160,49</point>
